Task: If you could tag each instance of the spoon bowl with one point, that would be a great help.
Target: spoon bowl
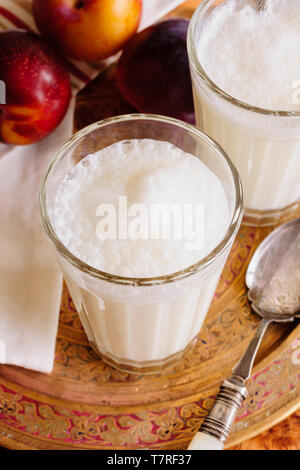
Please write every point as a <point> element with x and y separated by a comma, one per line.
<point>273,274</point>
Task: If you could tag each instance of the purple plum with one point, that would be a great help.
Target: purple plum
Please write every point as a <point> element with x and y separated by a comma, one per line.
<point>153,71</point>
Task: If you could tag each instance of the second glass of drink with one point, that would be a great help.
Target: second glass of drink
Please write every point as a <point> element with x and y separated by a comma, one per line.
<point>246,82</point>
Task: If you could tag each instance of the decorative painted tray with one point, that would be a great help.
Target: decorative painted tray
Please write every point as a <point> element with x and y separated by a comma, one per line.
<point>86,404</point>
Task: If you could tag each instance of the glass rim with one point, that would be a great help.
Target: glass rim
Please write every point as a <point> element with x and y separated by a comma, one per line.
<point>195,62</point>
<point>144,281</point>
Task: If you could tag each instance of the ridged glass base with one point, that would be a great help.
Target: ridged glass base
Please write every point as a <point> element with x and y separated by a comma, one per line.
<point>273,217</point>
<point>146,367</point>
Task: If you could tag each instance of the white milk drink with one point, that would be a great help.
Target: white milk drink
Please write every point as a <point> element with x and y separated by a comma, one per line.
<point>254,58</point>
<point>140,325</point>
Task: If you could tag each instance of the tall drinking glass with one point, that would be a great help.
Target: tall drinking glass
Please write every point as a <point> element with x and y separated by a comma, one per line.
<point>142,324</point>
<point>264,145</point>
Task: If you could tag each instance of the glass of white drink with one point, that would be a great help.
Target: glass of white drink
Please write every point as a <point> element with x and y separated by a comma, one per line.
<point>245,67</point>
<point>142,293</point>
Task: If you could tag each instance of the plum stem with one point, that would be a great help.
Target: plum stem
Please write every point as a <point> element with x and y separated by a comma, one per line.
<point>79,4</point>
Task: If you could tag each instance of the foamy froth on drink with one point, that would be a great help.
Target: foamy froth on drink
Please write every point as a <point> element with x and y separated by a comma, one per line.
<point>253,57</point>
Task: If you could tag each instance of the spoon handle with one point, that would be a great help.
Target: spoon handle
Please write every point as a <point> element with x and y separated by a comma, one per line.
<point>217,424</point>
<point>244,367</point>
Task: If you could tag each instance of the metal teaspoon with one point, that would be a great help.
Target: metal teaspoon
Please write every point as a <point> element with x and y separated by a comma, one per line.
<point>273,280</point>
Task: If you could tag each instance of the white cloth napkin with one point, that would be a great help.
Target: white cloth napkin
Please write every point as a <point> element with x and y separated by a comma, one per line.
<point>30,280</point>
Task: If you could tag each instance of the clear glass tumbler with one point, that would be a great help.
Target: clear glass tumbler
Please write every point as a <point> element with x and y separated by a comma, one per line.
<point>264,145</point>
<point>142,324</point>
